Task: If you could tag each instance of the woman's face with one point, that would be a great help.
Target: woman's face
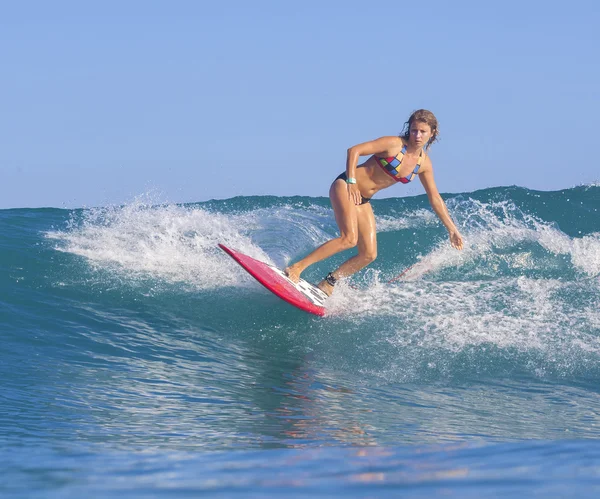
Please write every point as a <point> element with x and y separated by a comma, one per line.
<point>420,133</point>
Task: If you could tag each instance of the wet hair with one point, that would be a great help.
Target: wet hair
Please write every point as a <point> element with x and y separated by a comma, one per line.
<point>423,116</point>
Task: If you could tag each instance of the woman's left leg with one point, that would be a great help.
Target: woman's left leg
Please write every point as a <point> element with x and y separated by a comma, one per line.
<point>367,247</point>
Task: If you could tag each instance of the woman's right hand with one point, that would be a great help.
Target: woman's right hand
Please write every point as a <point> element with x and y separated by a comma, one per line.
<point>354,194</point>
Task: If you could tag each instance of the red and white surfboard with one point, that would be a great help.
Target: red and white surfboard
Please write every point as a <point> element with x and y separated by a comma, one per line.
<point>302,294</point>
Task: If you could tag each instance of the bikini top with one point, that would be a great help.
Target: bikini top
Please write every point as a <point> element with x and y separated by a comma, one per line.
<point>391,166</point>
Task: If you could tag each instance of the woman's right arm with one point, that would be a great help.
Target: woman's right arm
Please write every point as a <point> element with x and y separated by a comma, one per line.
<point>377,146</point>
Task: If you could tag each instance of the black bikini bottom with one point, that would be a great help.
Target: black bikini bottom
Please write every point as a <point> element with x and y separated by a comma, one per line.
<point>344,177</point>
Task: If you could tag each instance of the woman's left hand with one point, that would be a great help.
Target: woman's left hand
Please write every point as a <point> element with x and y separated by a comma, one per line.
<point>456,240</point>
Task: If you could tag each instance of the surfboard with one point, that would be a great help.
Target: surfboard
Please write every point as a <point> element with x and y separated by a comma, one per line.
<point>302,294</point>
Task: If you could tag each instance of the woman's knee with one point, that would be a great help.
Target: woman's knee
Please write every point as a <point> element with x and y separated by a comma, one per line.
<point>369,255</point>
<point>348,241</point>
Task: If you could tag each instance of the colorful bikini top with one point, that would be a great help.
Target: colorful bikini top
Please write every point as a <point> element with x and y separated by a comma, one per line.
<point>391,166</point>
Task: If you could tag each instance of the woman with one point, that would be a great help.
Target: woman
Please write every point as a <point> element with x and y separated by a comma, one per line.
<point>393,159</point>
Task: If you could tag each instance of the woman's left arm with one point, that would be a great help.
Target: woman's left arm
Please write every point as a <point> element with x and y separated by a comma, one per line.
<point>439,207</point>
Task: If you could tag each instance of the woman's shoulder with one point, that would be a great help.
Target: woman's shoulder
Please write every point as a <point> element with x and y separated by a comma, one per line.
<point>394,140</point>
<point>427,165</point>
<point>386,145</point>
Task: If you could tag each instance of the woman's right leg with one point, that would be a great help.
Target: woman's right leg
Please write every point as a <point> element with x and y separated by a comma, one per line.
<point>367,249</point>
<point>346,219</point>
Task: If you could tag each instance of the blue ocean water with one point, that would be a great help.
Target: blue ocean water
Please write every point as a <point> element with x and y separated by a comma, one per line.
<point>139,359</point>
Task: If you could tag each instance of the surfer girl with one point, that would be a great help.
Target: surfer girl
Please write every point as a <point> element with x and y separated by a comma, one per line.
<point>392,159</point>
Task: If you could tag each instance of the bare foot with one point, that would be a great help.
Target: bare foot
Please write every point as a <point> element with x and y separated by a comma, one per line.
<point>293,272</point>
<point>325,287</point>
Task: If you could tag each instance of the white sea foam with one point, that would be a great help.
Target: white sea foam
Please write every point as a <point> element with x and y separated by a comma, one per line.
<point>176,243</point>
<point>498,233</point>
<point>585,254</point>
<point>172,243</point>
<point>179,244</point>
<point>410,220</point>
<point>521,314</point>
<point>556,317</point>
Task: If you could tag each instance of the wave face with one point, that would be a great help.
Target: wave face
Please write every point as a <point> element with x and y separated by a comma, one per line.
<point>127,328</point>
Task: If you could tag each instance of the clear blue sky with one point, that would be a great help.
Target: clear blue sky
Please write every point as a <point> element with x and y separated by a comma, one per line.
<point>103,101</point>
